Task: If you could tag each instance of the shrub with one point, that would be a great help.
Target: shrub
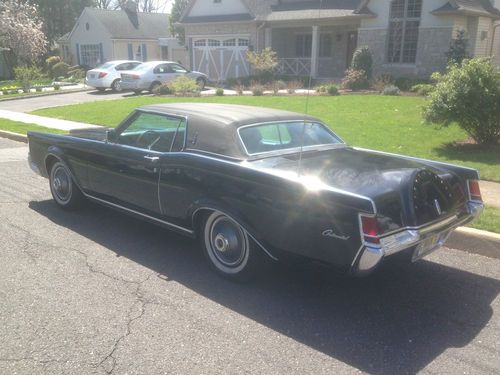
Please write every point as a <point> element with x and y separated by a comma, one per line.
<point>263,63</point>
<point>184,86</point>
<point>51,61</point>
<point>76,73</point>
<point>277,85</point>
<point>26,75</point>
<point>381,81</point>
<point>239,89</point>
<point>293,86</point>
<point>329,89</point>
<point>56,86</point>
<point>422,89</point>
<point>391,90</point>
<point>406,83</point>
<point>38,89</point>
<point>362,60</point>
<point>163,89</point>
<point>231,82</point>
<point>60,70</point>
<point>5,92</point>
<point>219,92</point>
<point>458,48</point>
<point>470,96</point>
<point>257,89</point>
<point>355,80</point>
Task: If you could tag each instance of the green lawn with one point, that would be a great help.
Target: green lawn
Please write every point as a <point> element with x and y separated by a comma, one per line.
<point>392,124</point>
<point>23,128</point>
<point>489,220</point>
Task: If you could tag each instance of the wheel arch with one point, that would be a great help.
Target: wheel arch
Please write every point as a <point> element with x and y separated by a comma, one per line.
<point>202,211</point>
<point>55,155</point>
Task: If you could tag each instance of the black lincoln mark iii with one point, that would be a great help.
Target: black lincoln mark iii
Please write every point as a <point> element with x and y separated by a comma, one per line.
<point>252,182</point>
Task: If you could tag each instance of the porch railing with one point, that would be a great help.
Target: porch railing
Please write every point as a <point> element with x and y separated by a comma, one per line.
<point>294,66</point>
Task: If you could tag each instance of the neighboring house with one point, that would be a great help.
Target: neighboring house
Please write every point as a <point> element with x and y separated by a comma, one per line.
<point>406,37</point>
<point>102,35</point>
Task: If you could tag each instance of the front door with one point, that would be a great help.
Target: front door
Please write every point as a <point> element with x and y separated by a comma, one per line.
<point>126,171</point>
<point>352,44</point>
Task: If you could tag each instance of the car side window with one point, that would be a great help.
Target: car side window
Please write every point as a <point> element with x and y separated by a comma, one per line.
<point>176,68</point>
<point>162,69</point>
<point>122,67</point>
<point>155,132</point>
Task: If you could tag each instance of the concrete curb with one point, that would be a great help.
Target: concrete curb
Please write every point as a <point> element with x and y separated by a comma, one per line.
<point>14,136</point>
<point>475,241</point>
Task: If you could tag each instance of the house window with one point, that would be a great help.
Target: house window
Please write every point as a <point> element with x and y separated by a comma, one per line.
<point>303,45</point>
<point>229,43</point>
<point>90,54</point>
<point>404,24</point>
<point>213,43</point>
<point>200,43</point>
<point>325,45</point>
<point>243,42</point>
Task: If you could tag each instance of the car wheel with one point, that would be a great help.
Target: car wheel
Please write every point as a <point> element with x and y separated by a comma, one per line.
<point>154,86</point>
<point>64,191</point>
<point>201,83</point>
<point>116,86</point>
<point>101,89</point>
<point>227,247</point>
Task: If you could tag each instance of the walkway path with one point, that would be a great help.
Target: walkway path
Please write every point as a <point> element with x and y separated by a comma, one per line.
<point>44,121</point>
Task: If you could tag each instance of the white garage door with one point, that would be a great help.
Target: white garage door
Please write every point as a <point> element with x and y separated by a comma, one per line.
<point>221,57</point>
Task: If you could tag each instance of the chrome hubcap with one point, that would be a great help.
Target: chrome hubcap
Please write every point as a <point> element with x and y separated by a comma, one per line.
<point>61,184</point>
<point>228,242</point>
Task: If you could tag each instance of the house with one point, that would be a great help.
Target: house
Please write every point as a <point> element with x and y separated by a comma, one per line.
<point>406,37</point>
<point>101,35</point>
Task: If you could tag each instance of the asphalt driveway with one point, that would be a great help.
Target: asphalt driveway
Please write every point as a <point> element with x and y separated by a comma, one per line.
<point>95,291</point>
<point>34,103</point>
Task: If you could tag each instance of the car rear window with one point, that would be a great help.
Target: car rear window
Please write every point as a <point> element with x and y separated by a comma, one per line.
<point>285,136</point>
<point>105,66</point>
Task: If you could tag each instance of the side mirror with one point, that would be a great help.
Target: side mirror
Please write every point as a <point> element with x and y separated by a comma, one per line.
<point>110,135</point>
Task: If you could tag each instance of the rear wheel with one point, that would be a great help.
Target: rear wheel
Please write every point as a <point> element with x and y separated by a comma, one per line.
<point>64,191</point>
<point>227,247</point>
<point>154,86</point>
<point>116,86</point>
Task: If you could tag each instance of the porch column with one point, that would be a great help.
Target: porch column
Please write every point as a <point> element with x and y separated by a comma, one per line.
<point>268,37</point>
<point>314,51</point>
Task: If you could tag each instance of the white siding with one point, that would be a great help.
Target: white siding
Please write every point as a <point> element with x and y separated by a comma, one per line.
<point>209,8</point>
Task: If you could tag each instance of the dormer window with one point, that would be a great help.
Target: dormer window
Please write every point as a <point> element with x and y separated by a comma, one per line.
<point>404,22</point>
<point>217,1</point>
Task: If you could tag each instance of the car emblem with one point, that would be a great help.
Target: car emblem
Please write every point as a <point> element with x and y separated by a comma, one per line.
<point>438,207</point>
<point>331,233</point>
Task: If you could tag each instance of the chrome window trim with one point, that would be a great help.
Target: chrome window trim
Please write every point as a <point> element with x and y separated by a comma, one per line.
<point>294,149</point>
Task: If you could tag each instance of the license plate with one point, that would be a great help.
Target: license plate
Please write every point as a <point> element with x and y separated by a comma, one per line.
<point>429,245</point>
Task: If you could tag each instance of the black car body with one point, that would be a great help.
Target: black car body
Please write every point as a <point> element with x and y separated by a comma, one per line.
<point>254,180</point>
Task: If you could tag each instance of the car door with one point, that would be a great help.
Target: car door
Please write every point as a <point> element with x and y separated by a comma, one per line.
<point>126,170</point>
<point>163,73</point>
<point>177,69</point>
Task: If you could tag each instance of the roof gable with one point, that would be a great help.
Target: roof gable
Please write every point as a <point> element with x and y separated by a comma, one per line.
<point>469,7</point>
<point>121,26</point>
<point>208,11</point>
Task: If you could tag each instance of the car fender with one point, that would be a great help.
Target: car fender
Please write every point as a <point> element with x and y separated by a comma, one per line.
<point>55,152</point>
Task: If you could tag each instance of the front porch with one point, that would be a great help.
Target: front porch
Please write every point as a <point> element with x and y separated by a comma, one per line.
<point>324,52</point>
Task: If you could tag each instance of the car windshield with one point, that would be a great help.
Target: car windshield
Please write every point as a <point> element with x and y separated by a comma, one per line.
<point>105,65</point>
<point>142,67</point>
<point>289,135</point>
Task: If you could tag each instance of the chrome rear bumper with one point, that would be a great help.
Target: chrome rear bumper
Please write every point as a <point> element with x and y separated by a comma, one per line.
<point>371,255</point>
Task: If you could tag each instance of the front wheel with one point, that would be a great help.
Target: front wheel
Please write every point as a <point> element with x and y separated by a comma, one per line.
<point>201,83</point>
<point>116,86</point>
<point>64,191</point>
<point>227,247</point>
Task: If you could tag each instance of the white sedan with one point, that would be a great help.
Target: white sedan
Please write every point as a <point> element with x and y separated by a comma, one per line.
<point>108,75</point>
<point>152,74</point>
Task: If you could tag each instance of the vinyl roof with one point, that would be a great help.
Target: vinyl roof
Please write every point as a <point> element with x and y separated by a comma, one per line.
<point>213,127</point>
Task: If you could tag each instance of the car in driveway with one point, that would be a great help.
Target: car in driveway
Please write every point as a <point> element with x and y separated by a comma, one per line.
<point>108,75</point>
<point>258,182</point>
<point>148,76</point>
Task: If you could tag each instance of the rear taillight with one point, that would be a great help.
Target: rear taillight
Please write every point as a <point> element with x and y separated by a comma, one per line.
<point>134,76</point>
<point>369,229</point>
<point>474,190</point>
<point>102,75</point>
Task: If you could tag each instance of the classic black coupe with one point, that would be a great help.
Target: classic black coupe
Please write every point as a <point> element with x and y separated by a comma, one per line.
<point>254,181</point>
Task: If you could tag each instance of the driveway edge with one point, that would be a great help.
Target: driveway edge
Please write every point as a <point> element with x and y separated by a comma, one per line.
<point>475,241</point>
<point>61,92</point>
<point>14,136</point>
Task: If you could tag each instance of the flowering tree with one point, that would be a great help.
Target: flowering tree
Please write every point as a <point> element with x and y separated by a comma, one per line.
<point>21,34</point>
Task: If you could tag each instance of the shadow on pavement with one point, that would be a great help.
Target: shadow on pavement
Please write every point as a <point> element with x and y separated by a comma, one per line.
<point>397,321</point>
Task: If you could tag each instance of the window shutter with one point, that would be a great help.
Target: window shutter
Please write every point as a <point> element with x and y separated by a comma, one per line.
<point>101,53</point>
<point>78,54</point>
<point>130,52</point>
<point>144,53</point>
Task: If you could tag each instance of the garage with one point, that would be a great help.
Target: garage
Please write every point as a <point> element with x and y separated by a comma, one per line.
<point>221,57</point>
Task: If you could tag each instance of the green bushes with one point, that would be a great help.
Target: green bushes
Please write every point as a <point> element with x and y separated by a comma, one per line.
<point>391,90</point>
<point>257,89</point>
<point>163,89</point>
<point>355,80</point>
<point>329,89</point>
<point>26,75</point>
<point>219,92</point>
<point>184,86</point>
<point>422,89</point>
<point>470,96</point>
<point>60,69</point>
<point>362,60</point>
<point>263,62</point>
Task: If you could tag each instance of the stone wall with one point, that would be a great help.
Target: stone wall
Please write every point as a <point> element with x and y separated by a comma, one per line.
<point>433,44</point>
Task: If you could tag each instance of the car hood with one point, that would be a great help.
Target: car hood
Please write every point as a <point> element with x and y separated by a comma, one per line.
<point>389,181</point>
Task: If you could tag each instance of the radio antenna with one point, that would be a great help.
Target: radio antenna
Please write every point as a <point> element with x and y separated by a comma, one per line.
<point>307,99</point>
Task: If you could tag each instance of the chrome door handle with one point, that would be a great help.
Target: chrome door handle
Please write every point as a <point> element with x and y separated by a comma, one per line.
<point>152,159</point>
